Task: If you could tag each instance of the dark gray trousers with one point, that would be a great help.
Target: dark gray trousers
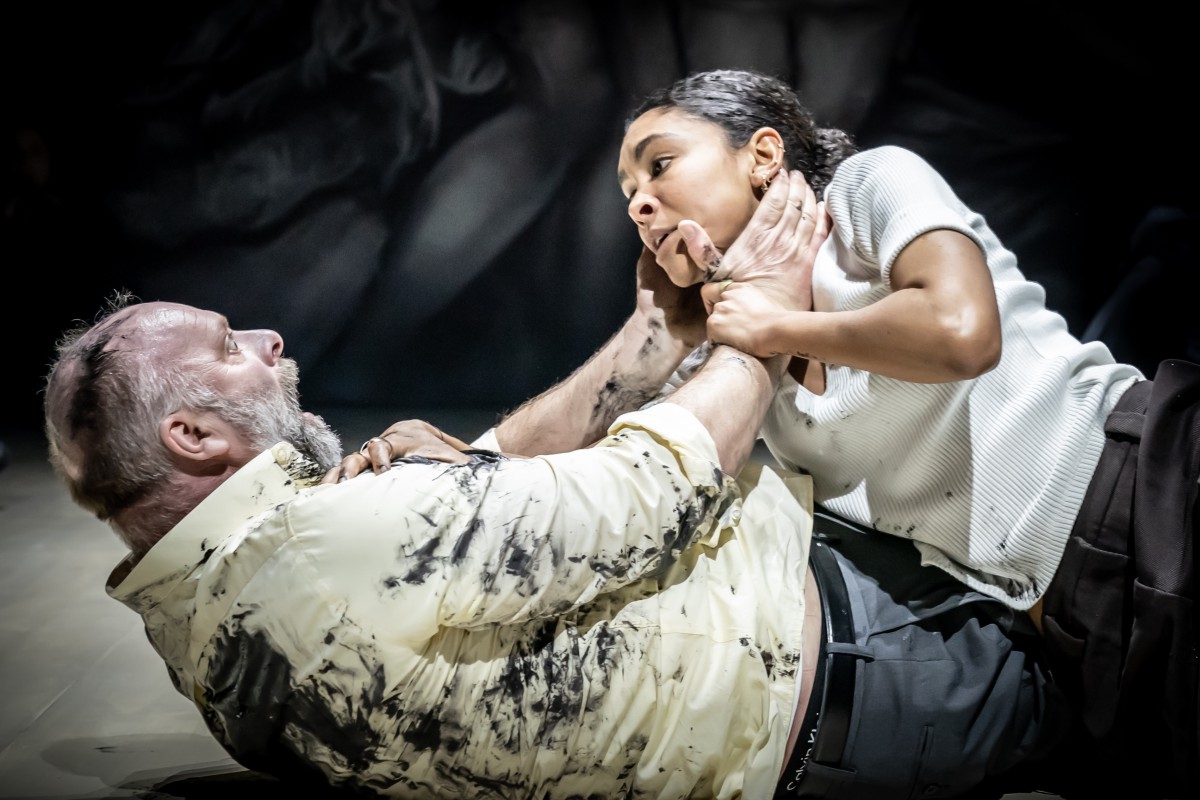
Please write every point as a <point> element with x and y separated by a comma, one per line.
<point>950,689</point>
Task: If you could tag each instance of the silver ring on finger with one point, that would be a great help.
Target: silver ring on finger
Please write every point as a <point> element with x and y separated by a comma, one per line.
<point>372,440</point>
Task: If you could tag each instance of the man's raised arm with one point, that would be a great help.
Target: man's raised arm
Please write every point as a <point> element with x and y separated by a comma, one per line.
<point>626,373</point>
<point>729,395</point>
<point>632,368</point>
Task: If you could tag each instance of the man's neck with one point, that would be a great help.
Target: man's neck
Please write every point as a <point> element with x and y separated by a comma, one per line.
<point>153,516</point>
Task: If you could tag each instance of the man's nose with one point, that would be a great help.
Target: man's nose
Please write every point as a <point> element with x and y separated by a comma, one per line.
<point>268,344</point>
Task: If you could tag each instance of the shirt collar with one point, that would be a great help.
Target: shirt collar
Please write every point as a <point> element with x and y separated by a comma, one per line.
<point>273,477</point>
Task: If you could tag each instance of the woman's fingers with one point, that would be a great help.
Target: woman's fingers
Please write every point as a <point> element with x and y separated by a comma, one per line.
<point>401,440</point>
<point>801,210</point>
<point>351,465</point>
<point>798,193</point>
<point>822,225</point>
<point>774,202</point>
<point>711,293</point>
<point>417,438</point>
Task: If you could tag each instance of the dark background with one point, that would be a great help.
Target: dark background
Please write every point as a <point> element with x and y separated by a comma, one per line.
<point>421,196</point>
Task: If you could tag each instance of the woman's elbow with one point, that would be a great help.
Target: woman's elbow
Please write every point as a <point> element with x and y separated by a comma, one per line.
<point>973,347</point>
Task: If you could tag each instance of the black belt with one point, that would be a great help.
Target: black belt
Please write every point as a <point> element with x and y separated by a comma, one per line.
<point>835,676</point>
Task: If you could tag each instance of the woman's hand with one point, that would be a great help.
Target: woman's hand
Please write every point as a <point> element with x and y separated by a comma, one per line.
<point>746,317</point>
<point>777,249</point>
<point>410,437</point>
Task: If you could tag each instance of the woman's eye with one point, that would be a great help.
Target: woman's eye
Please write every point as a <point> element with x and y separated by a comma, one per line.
<point>657,166</point>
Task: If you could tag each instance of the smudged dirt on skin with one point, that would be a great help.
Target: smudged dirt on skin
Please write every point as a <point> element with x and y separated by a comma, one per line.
<point>615,398</point>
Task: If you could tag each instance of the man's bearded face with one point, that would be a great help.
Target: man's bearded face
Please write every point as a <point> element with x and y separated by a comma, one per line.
<point>267,419</point>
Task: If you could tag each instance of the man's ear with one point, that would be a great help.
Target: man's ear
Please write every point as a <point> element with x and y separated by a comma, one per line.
<point>195,436</point>
<point>766,146</point>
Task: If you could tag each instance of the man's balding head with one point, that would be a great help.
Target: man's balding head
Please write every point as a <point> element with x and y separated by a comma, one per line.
<point>152,394</point>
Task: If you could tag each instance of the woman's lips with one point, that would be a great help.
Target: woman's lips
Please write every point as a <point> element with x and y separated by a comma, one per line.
<point>657,237</point>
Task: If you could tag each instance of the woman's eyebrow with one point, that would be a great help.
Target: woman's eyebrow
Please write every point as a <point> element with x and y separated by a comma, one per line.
<point>641,146</point>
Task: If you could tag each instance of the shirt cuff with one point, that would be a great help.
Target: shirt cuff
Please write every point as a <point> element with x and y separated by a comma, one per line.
<point>487,441</point>
<point>679,430</point>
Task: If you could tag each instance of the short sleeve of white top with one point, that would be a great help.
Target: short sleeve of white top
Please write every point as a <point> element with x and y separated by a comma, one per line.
<point>623,620</point>
<point>984,475</point>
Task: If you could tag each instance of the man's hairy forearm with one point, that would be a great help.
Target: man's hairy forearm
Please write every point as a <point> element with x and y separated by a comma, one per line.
<point>627,372</point>
<point>730,395</point>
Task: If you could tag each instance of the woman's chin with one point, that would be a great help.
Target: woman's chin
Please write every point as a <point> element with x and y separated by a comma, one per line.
<point>680,269</point>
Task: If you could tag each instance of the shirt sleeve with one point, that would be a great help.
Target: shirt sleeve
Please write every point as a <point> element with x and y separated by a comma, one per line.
<point>487,441</point>
<point>883,198</point>
<point>557,531</point>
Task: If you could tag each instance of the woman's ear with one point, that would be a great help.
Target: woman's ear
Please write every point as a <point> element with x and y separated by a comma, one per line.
<point>195,437</point>
<point>766,147</point>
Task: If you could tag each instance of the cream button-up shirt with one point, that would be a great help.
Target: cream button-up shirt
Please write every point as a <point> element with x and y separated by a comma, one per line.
<point>620,621</point>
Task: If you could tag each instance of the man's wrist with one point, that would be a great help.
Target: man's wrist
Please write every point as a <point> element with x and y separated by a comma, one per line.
<point>771,367</point>
<point>775,366</point>
<point>649,338</point>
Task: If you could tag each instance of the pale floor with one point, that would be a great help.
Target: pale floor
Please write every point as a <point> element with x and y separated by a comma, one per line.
<point>87,709</point>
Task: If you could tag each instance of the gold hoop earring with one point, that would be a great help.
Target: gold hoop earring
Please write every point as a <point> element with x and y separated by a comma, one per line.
<point>766,184</point>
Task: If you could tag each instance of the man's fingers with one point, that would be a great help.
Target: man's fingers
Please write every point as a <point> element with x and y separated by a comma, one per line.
<point>701,248</point>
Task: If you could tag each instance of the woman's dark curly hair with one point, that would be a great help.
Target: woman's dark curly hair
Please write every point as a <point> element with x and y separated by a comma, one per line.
<point>741,102</point>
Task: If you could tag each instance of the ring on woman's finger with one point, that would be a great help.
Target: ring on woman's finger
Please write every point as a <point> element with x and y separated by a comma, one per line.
<point>371,441</point>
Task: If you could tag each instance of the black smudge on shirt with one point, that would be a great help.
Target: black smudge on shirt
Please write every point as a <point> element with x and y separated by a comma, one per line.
<point>470,480</point>
<point>248,701</point>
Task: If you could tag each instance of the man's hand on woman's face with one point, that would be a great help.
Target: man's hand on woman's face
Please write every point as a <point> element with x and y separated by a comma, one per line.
<point>775,252</point>
<point>410,437</point>
<point>680,309</point>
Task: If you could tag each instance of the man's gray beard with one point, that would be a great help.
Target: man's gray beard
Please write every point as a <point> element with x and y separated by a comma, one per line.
<point>267,420</point>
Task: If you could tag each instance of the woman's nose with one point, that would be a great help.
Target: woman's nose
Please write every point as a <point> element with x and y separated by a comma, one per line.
<point>642,207</point>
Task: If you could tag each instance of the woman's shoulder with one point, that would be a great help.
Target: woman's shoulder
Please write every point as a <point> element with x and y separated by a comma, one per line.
<point>884,158</point>
<point>884,175</point>
<point>889,191</point>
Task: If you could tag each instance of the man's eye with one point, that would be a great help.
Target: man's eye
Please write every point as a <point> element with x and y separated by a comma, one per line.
<point>231,343</point>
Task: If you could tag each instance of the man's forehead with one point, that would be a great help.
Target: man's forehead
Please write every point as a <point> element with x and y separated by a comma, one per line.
<point>163,323</point>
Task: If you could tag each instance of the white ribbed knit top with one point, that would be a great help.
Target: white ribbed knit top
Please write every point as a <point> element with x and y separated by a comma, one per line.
<point>985,475</point>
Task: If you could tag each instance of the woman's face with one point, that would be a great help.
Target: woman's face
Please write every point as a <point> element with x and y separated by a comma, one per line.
<point>673,167</point>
